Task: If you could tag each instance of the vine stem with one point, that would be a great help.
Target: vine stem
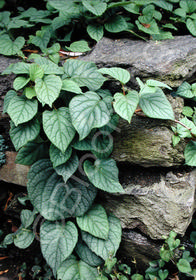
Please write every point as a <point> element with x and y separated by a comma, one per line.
<point>176,121</point>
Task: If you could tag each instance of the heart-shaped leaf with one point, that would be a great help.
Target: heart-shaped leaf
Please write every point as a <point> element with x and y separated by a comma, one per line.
<point>58,127</point>
<point>35,72</point>
<point>125,105</point>
<point>27,217</point>
<point>71,269</point>
<point>21,109</point>
<point>155,104</point>
<point>95,222</point>
<point>105,248</point>
<point>185,90</point>
<point>48,89</point>
<point>184,266</point>
<point>48,66</point>
<point>23,238</point>
<point>60,200</point>
<point>103,175</point>
<point>117,73</point>
<point>9,96</point>
<point>57,242</point>
<point>116,24</point>
<point>88,111</point>
<point>20,82</point>
<point>57,157</point>
<point>154,83</point>
<point>24,133</point>
<point>79,46</point>
<point>9,47</point>
<point>85,74</point>
<point>71,86</point>
<point>67,169</point>
<point>95,7</point>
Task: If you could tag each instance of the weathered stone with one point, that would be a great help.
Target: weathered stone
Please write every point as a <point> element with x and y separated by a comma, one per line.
<point>154,202</point>
<point>13,173</point>
<point>171,61</point>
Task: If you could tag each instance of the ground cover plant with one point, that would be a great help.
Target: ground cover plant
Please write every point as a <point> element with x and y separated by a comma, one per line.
<point>62,117</point>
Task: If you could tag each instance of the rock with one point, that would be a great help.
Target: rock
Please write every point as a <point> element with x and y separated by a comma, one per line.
<point>13,173</point>
<point>155,202</point>
<point>171,61</point>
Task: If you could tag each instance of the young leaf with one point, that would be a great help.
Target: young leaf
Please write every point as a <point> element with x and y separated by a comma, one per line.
<point>184,132</point>
<point>72,269</point>
<point>79,46</point>
<point>57,242</point>
<point>60,200</point>
<point>185,90</point>
<point>95,31</point>
<point>57,157</point>
<point>21,109</point>
<point>71,86</point>
<point>184,266</point>
<point>155,104</point>
<point>86,255</point>
<point>103,175</point>
<point>9,47</point>
<point>35,72</point>
<point>125,105</point>
<point>32,152</point>
<point>58,127</point>
<point>9,96</point>
<point>117,73</point>
<point>101,247</point>
<point>95,222</point>
<point>29,92</point>
<point>27,217</point>
<point>95,7</point>
<point>116,24</point>
<point>20,82</point>
<point>190,153</point>
<point>85,74</point>
<point>88,111</point>
<point>41,39</point>
<point>48,90</point>
<point>24,133</point>
<point>23,238</point>
<point>154,83</point>
<point>67,169</point>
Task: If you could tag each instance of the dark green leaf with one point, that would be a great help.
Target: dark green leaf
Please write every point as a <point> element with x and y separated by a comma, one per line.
<point>116,24</point>
<point>190,153</point>
<point>23,238</point>
<point>67,169</point>
<point>184,266</point>
<point>57,157</point>
<point>95,7</point>
<point>95,31</point>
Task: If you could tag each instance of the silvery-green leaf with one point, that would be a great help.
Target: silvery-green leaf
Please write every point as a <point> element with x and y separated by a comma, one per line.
<point>117,73</point>
<point>24,133</point>
<point>57,157</point>
<point>71,269</point>
<point>9,96</point>
<point>83,73</point>
<point>191,25</point>
<point>48,89</point>
<point>17,68</point>
<point>95,31</point>
<point>95,222</point>
<point>20,82</point>
<point>184,132</point>
<point>190,153</point>
<point>32,152</point>
<point>103,174</point>
<point>86,255</point>
<point>95,7</point>
<point>71,86</point>
<point>58,127</point>
<point>102,145</point>
<point>57,242</point>
<point>105,248</point>
<point>125,105</point>
<point>66,170</point>
<point>27,217</point>
<point>9,47</point>
<point>155,104</point>
<point>48,66</point>
<point>185,90</point>
<point>116,24</point>
<point>88,111</point>
<point>61,200</point>
<point>154,83</point>
<point>23,238</point>
<point>21,109</point>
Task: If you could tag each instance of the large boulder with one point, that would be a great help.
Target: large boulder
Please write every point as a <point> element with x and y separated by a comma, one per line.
<point>171,61</point>
<point>155,201</point>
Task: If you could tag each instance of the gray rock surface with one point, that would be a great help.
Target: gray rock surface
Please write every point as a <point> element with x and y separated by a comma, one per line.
<point>148,142</point>
<point>170,61</point>
<point>155,202</point>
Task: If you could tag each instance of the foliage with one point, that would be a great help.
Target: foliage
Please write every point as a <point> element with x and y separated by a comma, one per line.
<point>2,150</point>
